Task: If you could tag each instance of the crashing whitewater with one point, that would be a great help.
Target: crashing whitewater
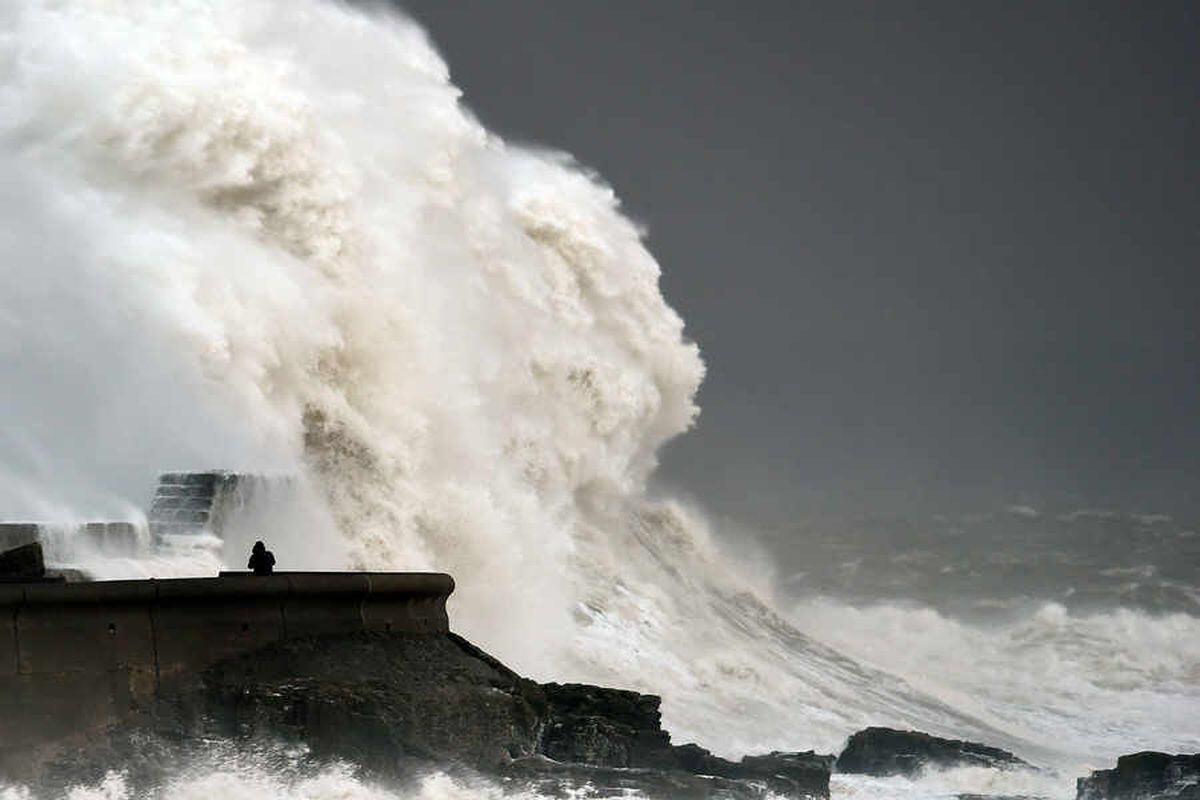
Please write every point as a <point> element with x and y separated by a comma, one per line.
<point>267,236</point>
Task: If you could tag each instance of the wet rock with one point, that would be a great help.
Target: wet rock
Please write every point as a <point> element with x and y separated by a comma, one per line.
<point>376,700</point>
<point>554,779</point>
<point>605,727</point>
<point>400,705</point>
<point>885,751</point>
<point>793,775</point>
<point>803,774</point>
<point>1144,776</point>
<point>615,728</point>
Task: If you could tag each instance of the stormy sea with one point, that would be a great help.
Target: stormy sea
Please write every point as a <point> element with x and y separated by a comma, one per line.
<point>270,237</point>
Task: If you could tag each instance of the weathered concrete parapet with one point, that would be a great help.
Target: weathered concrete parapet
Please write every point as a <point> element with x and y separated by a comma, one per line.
<point>178,624</point>
<point>75,656</point>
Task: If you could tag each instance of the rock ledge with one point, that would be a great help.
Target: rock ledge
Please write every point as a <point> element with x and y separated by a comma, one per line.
<point>1144,776</point>
<point>882,752</point>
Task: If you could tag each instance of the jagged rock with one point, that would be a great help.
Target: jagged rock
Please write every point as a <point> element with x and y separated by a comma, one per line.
<point>884,751</point>
<point>789,774</point>
<point>616,728</point>
<point>392,704</point>
<point>24,562</point>
<point>554,779</point>
<point>397,705</point>
<point>1144,776</point>
<point>376,700</point>
<point>605,727</point>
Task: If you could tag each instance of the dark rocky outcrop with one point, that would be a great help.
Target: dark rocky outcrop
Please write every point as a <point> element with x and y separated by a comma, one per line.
<point>554,778</point>
<point>401,705</point>
<point>23,563</point>
<point>788,774</point>
<point>606,727</point>
<point>884,751</point>
<point>621,729</point>
<point>1145,776</point>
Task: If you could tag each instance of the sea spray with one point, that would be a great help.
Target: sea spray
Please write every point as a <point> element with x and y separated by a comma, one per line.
<point>341,273</point>
<point>1101,683</point>
<point>269,773</point>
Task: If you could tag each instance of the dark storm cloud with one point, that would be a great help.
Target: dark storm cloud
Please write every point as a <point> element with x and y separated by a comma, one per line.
<point>934,253</point>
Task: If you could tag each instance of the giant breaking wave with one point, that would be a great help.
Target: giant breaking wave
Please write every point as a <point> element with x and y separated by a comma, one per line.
<point>267,236</point>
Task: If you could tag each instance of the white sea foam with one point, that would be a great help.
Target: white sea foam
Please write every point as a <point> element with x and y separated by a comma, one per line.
<point>242,782</point>
<point>1097,684</point>
<point>950,784</point>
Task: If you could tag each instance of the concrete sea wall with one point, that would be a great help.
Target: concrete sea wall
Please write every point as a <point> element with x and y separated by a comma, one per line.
<point>75,657</point>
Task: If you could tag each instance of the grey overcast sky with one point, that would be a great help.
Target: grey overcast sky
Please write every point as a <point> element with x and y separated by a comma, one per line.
<point>937,255</point>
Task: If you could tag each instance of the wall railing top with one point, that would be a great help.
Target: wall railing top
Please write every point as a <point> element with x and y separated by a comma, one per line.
<point>367,585</point>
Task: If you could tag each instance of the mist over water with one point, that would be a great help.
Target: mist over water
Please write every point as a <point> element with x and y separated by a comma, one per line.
<point>268,237</point>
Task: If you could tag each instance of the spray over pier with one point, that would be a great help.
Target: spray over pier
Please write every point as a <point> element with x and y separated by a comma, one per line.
<point>211,510</point>
<point>78,655</point>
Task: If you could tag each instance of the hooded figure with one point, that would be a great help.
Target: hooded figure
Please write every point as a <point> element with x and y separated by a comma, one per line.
<point>262,560</point>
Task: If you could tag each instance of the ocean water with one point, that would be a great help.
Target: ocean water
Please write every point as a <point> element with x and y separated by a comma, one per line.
<point>269,236</point>
<point>275,774</point>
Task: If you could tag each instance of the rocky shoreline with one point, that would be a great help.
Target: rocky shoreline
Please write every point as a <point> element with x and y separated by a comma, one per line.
<point>410,705</point>
<point>401,706</point>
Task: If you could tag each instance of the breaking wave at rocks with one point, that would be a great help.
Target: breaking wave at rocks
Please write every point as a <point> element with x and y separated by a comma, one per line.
<point>330,785</point>
<point>273,775</point>
<point>1097,683</point>
<point>268,236</point>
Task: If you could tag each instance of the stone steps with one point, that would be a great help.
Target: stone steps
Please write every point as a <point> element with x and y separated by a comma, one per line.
<point>191,502</point>
<point>184,504</point>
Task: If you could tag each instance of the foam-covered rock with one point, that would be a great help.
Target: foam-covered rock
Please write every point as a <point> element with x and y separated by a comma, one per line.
<point>885,751</point>
<point>1145,776</point>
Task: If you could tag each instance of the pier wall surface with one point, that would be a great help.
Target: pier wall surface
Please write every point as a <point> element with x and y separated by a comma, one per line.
<point>76,657</point>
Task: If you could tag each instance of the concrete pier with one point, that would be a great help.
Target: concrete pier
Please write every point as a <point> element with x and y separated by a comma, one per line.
<point>75,657</point>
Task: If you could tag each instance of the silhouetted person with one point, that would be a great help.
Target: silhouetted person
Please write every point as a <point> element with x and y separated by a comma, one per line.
<point>262,560</point>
